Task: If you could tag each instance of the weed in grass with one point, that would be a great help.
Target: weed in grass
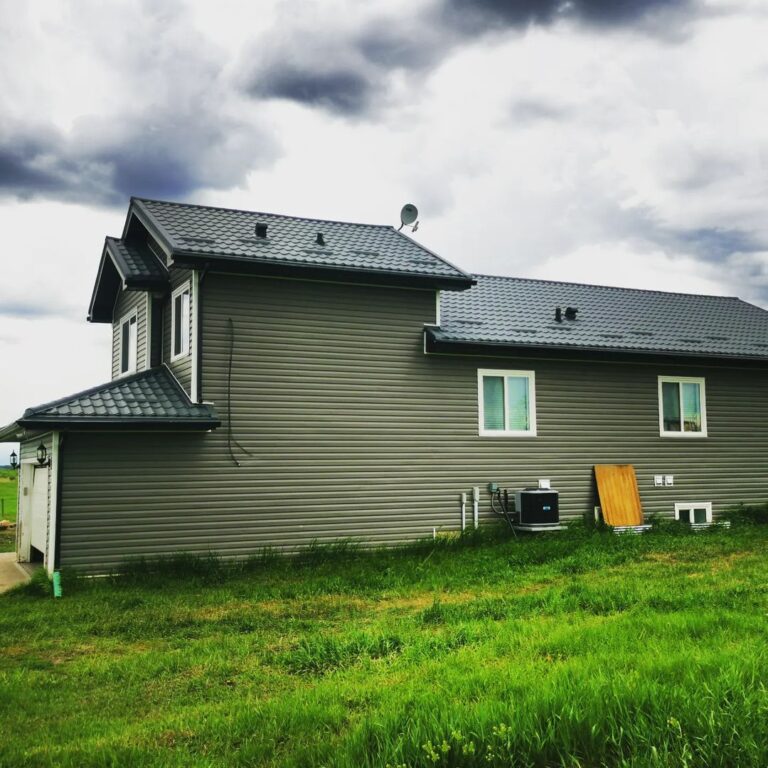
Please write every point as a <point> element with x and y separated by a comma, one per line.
<point>320,655</point>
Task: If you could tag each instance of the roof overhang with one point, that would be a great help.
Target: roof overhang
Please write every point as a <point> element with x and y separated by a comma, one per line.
<point>114,275</point>
<point>248,265</point>
<point>11,433</point>
<point>86,424</point>
<point>434,344</point>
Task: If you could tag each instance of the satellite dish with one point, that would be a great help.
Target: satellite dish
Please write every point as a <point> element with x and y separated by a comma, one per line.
<point>408,215</point>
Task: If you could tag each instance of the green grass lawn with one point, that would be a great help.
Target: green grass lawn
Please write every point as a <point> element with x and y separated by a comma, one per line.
<point>8,484</point>
<point>574,649</point>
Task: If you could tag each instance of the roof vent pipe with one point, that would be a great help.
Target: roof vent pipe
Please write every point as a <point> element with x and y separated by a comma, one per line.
<point>570,313</point>
<point>320,240</point>
<point>261,229</point>
<point>558,315</point>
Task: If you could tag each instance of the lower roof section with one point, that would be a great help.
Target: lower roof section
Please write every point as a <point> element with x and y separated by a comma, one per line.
<point>541,314</point>
<point>152,399</point>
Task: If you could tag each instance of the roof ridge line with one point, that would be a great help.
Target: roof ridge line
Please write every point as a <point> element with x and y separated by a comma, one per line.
<point>610,287</point>
<point>432,253</point>
<point>258,213</point>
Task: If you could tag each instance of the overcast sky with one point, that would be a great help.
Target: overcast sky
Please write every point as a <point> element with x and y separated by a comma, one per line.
<point>622,142</point>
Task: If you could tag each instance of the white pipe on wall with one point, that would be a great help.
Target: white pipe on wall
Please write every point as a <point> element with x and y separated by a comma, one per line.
<point>463,511</point>
<point>476,506</point>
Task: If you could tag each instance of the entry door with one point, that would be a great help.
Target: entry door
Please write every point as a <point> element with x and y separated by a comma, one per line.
<point>39,509</point>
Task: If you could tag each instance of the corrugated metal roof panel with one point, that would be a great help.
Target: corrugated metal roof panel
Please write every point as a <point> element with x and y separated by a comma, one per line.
<point>290,240</point>
<point>516,311</point>
<point>149,397</point>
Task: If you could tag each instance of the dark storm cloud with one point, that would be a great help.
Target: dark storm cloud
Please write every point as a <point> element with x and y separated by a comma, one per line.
<point>104,162</point>
<point>482,15</point>
<point>336,90</point>
<point>30,165</point>
<point>715,244</point>
<point>342,71</point>
<point>345,71</point>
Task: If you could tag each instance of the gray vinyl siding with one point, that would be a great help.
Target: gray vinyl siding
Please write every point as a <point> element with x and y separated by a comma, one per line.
<point>348,430</point>
<point>182,368</point>
<point>127,302</point>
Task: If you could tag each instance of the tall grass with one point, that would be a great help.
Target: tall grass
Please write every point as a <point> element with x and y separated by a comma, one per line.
<point>580,649</point>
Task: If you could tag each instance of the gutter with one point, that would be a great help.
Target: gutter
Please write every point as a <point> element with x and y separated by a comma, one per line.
<point>57,531</point>
<point>455,346</point>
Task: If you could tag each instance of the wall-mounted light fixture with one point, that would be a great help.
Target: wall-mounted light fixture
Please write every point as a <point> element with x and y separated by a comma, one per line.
<point>42,456</point>
<point>14,460</point>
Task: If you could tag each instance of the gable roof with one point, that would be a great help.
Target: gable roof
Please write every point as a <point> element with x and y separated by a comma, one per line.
<point>133,267</point>
<point>152,399</point>
<point>516,312</point>
<point>196,235</point>
<point>136,264</point>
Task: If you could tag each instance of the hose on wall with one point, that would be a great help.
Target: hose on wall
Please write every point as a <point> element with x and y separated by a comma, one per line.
<point>231,440</point>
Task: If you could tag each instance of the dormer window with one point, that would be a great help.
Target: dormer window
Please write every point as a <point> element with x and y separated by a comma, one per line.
<point>180,321</point>
<point>129,341</point>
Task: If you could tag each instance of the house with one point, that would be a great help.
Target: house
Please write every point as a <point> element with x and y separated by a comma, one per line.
<point>278,381</point>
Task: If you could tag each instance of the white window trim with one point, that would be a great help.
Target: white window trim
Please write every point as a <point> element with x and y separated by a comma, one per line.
<point>706,505</point>
<point>531,376</point>
<point>184,287</point>
<point>683,380</point>
<point>123,320</point>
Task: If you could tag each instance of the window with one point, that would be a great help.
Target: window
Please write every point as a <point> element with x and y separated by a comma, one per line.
<point>682,407</point>
<point>180,322</point>
<point>699,513</point>
<point>507,403</point>
<point>128,344</point>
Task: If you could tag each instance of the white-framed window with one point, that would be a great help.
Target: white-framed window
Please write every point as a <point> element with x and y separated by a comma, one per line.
<point>682,407</point>
<point>506,403</point>
<point>696,513</point>
<point>129,343</point>
<point>180,321</point>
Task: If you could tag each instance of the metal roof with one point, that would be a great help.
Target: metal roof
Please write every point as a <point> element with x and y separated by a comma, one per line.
<point>150,399</point>
<point>520,312</point>
<point>135,263</point>
<point>222,233</point>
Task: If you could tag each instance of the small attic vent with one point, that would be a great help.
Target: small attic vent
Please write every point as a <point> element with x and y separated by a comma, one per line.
<point>197,240</point>
<point>261,229</point>
<point>570,313</point>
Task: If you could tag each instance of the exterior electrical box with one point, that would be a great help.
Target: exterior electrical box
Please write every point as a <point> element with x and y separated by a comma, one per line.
<point>537,506</point>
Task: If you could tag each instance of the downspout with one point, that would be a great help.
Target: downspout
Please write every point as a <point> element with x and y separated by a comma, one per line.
<point>58,441</point>
<point>199,334</point>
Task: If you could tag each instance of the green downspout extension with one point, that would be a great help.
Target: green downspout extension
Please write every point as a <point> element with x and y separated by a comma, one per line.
<point>57,584</point>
